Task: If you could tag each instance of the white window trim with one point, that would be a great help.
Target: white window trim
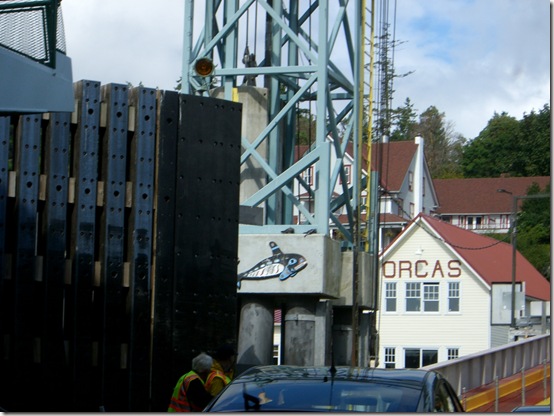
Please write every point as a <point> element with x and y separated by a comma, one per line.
<point>385,298</point>
<point>422,310</point>
<point>447,299</point>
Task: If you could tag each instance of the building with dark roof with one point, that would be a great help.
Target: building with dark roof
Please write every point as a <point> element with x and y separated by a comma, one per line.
<point>475,203</point>
<point>405,185</point>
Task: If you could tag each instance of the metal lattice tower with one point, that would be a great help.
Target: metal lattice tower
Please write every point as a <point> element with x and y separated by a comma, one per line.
<point>313,59</point>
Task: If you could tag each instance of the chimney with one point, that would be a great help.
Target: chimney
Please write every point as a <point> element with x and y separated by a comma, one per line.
<point>418,175</point>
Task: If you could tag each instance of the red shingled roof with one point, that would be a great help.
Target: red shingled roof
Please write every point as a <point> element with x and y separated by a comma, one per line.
<point>480,196</point>
<point>491,259</point>
<point>396,158</point>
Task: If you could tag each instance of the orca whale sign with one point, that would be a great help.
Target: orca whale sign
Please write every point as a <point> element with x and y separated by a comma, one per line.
<point>292,264</point>
<point>280,265</point>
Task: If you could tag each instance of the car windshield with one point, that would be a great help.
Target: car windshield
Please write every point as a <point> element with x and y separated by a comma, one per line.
<point>325,395</point>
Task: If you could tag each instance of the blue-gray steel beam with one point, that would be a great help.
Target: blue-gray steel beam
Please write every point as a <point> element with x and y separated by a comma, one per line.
<point>274,201</point>
<point>187,47</point>
<point>328,84</point>
<point>291,118</point>
<point>323,187</point>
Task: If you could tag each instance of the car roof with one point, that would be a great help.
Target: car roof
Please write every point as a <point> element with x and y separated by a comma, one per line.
<point>289,372</point>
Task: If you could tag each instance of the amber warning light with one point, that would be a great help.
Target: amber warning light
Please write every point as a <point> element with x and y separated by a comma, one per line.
<point>204,67</point>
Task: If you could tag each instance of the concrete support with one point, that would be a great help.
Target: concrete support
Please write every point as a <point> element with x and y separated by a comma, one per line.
<point>254,120</point>
<point>342,336</point>
<point>323,333</point>
<point>299,334</point>
<point>255,346</point>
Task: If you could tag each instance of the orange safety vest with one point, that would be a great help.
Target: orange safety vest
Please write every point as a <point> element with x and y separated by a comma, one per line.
<point>212,376</point>
<point>179,401</point>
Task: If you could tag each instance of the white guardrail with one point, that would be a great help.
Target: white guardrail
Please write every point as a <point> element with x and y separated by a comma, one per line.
<point>482,368</point>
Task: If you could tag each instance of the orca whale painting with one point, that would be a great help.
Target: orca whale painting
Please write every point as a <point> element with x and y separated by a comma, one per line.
<point>281,265</point>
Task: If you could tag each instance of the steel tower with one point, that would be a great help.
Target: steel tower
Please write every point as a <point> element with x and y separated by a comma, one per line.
<point>313,60</point>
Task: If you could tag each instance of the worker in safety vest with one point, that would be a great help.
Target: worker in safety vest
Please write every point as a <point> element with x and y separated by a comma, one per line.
<point>189,394</point>
<point>222,369</point>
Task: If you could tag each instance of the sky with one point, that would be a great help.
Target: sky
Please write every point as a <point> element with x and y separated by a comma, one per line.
<point>470,58</point>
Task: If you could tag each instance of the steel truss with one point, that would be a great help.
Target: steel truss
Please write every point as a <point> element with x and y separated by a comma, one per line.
<point>314,56</point>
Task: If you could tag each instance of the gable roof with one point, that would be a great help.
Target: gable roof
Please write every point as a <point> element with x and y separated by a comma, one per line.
<point>490,258</point>
<point>480,195</point>
<point>395,158</point>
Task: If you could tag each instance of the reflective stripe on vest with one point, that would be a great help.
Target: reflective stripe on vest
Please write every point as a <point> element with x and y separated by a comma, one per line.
<point>179,401</point>
<point>213,375</point>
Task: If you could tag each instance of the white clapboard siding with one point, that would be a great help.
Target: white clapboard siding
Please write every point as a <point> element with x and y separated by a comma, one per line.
<point>467,330</point>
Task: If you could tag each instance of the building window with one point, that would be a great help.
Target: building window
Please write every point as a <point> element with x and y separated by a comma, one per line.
<point>390,297</point>
<point>348,173</point>
<point>410,181</point>
<point>474,223</point>
<point>453,353</point>
<point>453,296</point>
<point>431,297</point>
<point>416,357</point>
<point>308,175</point>
<point>390,357</point>
<point>413,297</point>
<point>423,187</point>
<point>276,358</point>
<point>412,210</point>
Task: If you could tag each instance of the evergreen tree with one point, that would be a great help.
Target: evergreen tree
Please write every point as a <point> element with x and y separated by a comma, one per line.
<point>533,230</point>
<point>405,121</point>
<point>510,147</point>
<point>493,151</point>
<point>533,141</point>
<point>442,145</point>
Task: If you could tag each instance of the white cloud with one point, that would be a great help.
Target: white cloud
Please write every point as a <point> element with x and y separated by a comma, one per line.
<point>498,58</point>
<point>125,41</point>
<point>470,57</point>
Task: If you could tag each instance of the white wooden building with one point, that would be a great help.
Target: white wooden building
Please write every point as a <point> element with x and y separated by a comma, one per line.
<point>445,293</point>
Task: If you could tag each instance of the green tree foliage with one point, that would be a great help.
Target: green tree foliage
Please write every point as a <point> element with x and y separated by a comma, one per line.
<point>533,230</point>
<point>510,147</point>
<point>433,130</point>
<point>491,153</point>
<point>383,114</point>
<point>533,140</point>
<point>305,127</point>
<point>405,122</point>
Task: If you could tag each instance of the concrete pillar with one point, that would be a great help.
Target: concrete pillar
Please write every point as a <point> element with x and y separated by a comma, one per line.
<point>323,333</point>
<point>299,334</point>
<point>255,345</point>
<point>254,121</point>
<point>342,335</point>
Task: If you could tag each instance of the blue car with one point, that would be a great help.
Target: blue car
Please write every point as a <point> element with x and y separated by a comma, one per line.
<point>336,389</point>
<point>531,409</point>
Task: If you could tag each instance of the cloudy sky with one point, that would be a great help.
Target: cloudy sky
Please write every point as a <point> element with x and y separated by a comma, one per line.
<point>471,58</point>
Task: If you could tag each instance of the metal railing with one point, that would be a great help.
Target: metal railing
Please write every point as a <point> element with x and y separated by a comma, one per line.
<point>485,367</point>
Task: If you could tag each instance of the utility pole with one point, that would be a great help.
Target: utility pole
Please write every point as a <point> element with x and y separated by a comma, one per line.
<point>513,241</point>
